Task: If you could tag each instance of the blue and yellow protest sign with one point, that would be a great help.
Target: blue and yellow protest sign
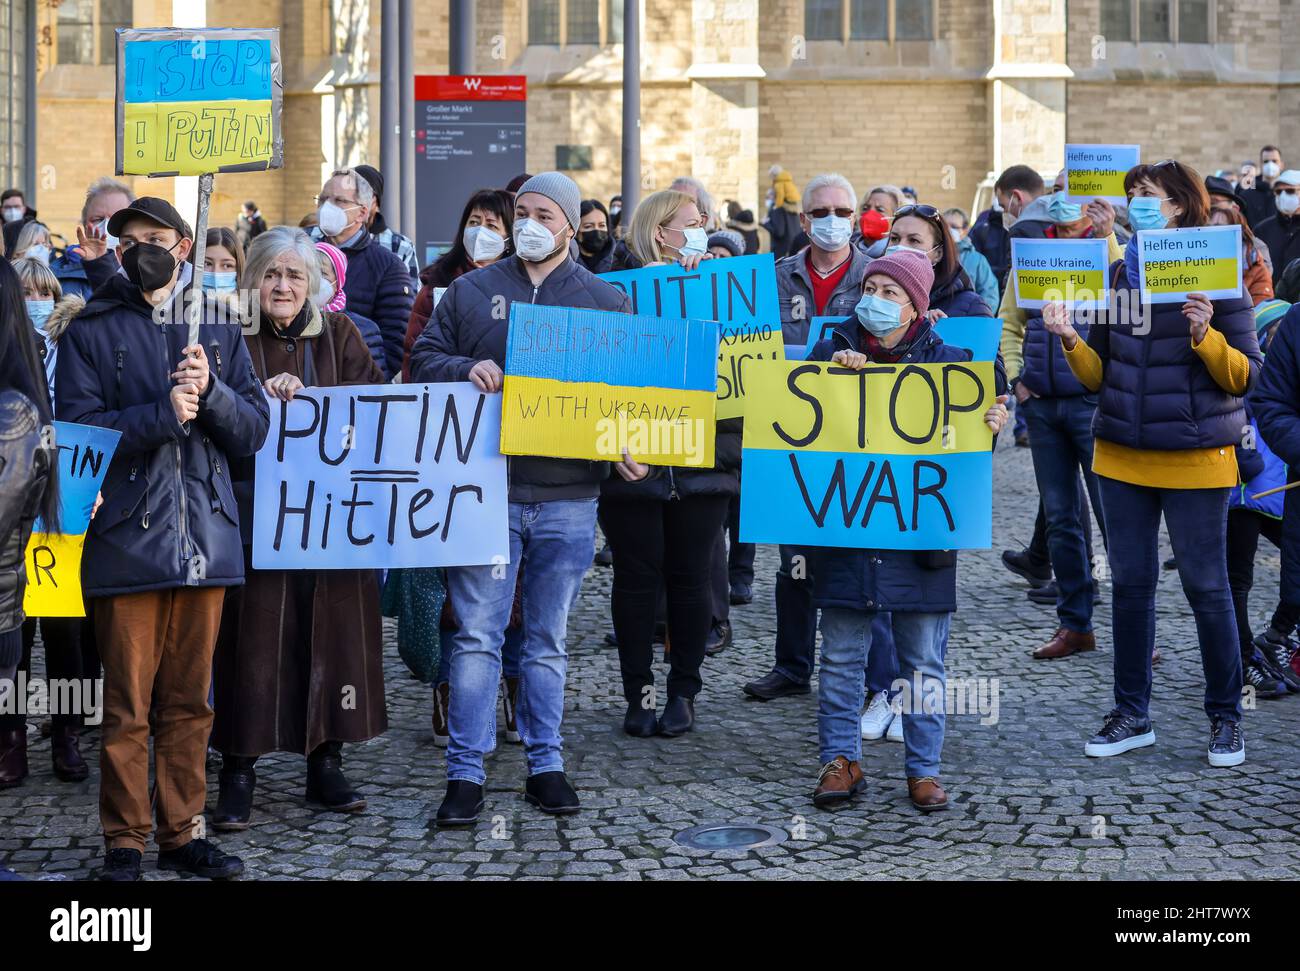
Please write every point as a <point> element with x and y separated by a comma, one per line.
<point>381,476</point>
<point>1176,262</point>
<point>587,384</point>
<point>54,559</point>
<point>738,292</point>
<point>890,457</point>
<point>979,335</point>
<point>1097,172</point>
<point>1069,271</point>
<point>191,101</point>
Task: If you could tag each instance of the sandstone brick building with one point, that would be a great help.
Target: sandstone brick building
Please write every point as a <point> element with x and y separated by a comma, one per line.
<point>931,93</point>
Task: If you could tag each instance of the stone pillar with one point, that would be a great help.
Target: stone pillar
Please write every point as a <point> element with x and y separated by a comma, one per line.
<point>724,75</point>
<point>1027,84</point>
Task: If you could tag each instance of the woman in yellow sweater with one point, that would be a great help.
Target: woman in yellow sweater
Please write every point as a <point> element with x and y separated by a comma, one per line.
<point>1170,380</point>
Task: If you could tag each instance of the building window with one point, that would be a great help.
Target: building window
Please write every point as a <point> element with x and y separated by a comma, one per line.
<point>1157,21</point>
<point>887,20</point>
<point>573,158</point>
<point>85,30</point>
<point>559,23</point>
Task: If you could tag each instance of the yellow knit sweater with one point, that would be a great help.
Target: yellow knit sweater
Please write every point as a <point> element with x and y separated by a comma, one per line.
<point>1195,468</point>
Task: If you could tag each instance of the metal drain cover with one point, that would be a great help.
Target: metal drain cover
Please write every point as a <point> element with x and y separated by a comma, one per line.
<point>730,836</point>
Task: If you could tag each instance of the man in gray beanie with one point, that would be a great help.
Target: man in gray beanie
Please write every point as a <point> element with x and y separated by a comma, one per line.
<point>552,512</point>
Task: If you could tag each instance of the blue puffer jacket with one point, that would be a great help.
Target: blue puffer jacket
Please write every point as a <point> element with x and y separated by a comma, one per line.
<point>1045,371</point>
<point>169,517</point>
<point>1156,392</point>
<point>80,277</point>
<point>957,298</point>
<point>374,340</point>
<point>470,324</point>
<point>907,581</point>
<point>379,286</point>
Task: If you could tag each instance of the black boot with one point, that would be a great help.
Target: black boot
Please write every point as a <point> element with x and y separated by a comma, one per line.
<point>678,717</point>
<point>640,722</point>
<point>66,752</point>
<point>235,793</point>
<point>326,785</point>
<point>551,793</point>
<point>461,805</point>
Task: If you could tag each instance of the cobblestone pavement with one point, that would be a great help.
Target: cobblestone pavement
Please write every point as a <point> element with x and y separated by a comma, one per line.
<point>1026,803</point>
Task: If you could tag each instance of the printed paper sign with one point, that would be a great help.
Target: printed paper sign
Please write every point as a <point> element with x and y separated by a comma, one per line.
<point>54,559</point>
<point>890,457</point>
<point>191,101</point>
<point>1178,262</point>
<point>381,476</point>
<point>979,335</point>
<point>1097,172</point>
<point>587,384</point>
<point>738,292</point>
<point>1069,271</point>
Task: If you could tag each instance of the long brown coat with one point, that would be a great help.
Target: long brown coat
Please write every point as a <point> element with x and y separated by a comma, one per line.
<point>300,659</point>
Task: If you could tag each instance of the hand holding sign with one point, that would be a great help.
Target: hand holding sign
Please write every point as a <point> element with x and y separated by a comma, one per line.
<point>487,376</point>
<point>185,402</point>
<point>193,368</point>
<point>283,386</point>
<point>1198,310</point>
<point>853,360</point>
<point>996,417</point>
<point>1102,214</point>
<point>630,469</point>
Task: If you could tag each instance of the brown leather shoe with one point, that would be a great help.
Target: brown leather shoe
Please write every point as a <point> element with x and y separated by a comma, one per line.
<point>13,757</point>
<point>926,794</point>
<point>839,781</point>
<point>65,748</point>
<point>1064,643</point>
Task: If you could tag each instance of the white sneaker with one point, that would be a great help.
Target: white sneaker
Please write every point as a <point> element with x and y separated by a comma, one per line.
<point>877,718</point>
<point>896,729</point>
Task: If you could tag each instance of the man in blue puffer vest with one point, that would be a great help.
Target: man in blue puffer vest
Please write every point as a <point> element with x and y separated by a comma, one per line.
<point>165,544</point>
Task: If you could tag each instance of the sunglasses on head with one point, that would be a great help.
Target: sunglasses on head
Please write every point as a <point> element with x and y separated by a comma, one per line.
<point>821,212</point>
<point>917,209</point>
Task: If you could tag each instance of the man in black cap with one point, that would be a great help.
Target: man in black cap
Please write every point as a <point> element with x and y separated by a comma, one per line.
<point>165,543</point>
<point>1222,191</point>
<point>397,244</point>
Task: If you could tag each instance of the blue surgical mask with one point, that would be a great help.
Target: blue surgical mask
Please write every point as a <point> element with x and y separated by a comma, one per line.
<point>217,282</point>
<point>1144,213</point>
<point>39,311</point>
<point>878,315</point>
<point>831,232</point>
<point>899,247</point>
<point>39,252</point>
<point>697,242</point>
<point>1061,211</point>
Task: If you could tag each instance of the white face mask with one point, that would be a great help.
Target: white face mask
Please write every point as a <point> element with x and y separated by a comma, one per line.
<point>331,219</point>
<point>1271,170</point>
<point>109,239</point>
<point>533,241</point>
<point>13,213</point>
<point>831,232</point>
<point>39,252</point>
<point>956,234</point>
<point>324,293</point>
<point>483,243</point>
<point>1287,202</point>
<point>696,244</point>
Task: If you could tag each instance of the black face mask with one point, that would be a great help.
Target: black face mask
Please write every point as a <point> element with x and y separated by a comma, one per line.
<point>148,266</point>
<point>593,240</point>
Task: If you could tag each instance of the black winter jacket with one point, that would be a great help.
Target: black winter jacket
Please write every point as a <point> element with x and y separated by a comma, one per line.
<point>24,471</point>
<point>471,323</point>
<point>169,517</point>
<point>379,286</point>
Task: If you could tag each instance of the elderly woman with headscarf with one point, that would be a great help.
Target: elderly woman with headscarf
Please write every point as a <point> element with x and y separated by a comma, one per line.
<point>295,642</point>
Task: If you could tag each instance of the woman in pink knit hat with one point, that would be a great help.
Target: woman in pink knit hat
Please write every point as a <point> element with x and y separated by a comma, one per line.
<point>918,588</point>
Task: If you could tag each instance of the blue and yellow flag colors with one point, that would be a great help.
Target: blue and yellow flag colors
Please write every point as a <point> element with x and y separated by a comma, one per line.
<point>738,292</point>
<point>1178,262</point>
<point>890,457</point>
<point>587,384</point>
<point>195,101</point>
<point>54,559</point>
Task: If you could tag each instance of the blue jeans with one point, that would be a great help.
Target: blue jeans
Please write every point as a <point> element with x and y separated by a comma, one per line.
<point>552,542</point>
<point>1197,521</point>
<point>796,629</point>
<point>921,641</point>
<point>511,649</point>
<point>1060,438</point>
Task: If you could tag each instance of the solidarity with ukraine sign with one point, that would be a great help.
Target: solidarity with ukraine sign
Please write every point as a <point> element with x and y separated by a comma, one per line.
<point>1069,271</point>
<point>587,384</point>
<point>738,292</point>
<point>381,476</point>
<point>1178,262</point>
<point>196,101</point>
<point>889,457</point>
<point>54,559</point>
<point>1097,172</point>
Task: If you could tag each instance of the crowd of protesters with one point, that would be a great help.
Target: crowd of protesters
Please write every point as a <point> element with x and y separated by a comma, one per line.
<point>1186,412</point>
